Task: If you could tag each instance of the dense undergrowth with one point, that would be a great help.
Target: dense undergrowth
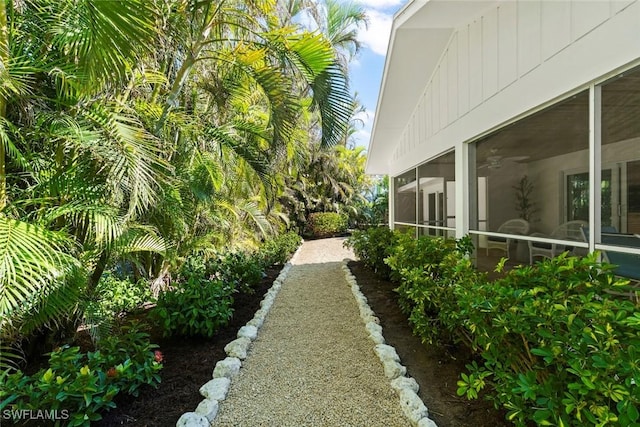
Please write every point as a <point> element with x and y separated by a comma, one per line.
<point>76,385</point>
<point>555,344</point>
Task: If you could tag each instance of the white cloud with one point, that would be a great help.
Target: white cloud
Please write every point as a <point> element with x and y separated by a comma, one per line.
<point>365,118</point>
<point>380,4</point>
<point>361,138</point>
<point>363,135</point>
<point>376,36</point>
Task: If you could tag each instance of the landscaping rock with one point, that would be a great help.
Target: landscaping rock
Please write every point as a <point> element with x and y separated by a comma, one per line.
<point>248,331</point>
<point>385,352</point>
<point>191,419</point>
<point>376,337</point>
<point>412,406</point>
<point>362,300</point>
<point>374,328</point>
<point>227,368</point>
<point>216,389</point>
<point>261,314</point>
<point>366,313</point>
<point>256,322</point>
<point>401,383</point>
<point>267,302</point>
<point>238,348</point>
<point>393,369</point>
<point>208,408</point>
<point>427,422</point>
<point>370,318</point>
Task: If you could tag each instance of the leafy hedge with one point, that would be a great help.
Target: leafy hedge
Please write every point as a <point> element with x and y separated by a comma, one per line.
<point>278,250</point>
<point>198,305</point>
<point>373,246</point>
<point>326,224</point>
<point>556,346</point>
<point>202,299</point>
<point>78,386</point>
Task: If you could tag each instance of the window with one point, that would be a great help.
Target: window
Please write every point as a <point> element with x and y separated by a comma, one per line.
<point>436,201</point>
<point>529,179</point>
<point>621,152</point>
<point>405,197</point>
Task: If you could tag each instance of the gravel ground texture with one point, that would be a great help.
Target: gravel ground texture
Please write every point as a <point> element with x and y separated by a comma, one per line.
<point>312,363</point>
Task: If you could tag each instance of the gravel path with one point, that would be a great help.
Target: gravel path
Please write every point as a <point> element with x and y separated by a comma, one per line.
<point>312,363</point>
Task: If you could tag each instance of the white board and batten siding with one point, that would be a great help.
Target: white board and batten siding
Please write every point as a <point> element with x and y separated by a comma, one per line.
<point>515,57</point>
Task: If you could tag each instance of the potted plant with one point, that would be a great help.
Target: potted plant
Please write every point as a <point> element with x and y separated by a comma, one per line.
<point>526,209</point>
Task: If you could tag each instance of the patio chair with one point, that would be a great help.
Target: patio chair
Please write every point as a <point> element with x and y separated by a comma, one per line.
<point>512,226</point>
<point>571,230</point>
<point>627,265</point>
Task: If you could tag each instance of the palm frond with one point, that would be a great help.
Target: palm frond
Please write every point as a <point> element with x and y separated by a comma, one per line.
<point>130,243</point>
<point>99,224</point>
<point>8,133</point>
<point>131,155</point>
<point>32,260</point>
<point>105,36</point>
<point>334,102</point>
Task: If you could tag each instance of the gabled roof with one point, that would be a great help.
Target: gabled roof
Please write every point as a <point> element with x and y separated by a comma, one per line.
<point>419,36</point>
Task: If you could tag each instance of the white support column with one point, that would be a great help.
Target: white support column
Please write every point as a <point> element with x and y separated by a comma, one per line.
<point>392,203</point>
<point>595,164</point>
<point>462,189</point>
<point>418,207</point>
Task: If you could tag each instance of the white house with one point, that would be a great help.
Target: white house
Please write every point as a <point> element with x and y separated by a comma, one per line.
<point>477,95</point>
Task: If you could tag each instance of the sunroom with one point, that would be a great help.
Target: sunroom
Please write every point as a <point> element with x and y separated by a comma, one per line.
<point>517,122</point>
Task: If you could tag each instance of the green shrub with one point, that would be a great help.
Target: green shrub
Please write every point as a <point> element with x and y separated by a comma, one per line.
<point>116,296</point>
<point>278,250</point>
<point>326,224</point>
<point>112,298</point>
<point>428,270</point>
<point>238,268</point>
<point>79,386</point>
<point>196,307</point>
<point>372,246</point>
<point>558,349</point>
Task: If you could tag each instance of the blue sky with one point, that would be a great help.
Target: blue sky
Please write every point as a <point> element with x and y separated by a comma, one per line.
<point>366,70</point>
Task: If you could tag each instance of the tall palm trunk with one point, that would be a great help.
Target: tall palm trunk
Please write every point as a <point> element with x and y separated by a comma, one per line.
<point>184,71</point>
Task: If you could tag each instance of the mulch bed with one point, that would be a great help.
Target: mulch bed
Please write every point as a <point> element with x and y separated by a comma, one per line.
<point>435,368</point>
<point>189,364</point>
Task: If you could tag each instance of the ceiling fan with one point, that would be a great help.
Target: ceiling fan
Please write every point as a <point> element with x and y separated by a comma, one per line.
<point>494,161</point>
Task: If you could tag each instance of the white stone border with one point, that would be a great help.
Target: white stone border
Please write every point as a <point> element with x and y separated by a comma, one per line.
<point>406,387</point>
<point>215,391</point>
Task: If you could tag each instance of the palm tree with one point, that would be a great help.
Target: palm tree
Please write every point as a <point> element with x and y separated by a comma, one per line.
<point>146,128</point>
<point>75,167</point>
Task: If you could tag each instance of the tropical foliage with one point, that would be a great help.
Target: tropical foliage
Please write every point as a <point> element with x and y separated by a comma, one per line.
<point>555,343</point>
<point>77,386</point>
<point>134,134</point>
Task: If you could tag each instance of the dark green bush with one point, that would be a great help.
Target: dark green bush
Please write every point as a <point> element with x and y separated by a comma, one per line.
<point>116,296</point>
<point>372,246</point>
<point>326,224</point>
<point>558,348</point>
<point>428,270</point>
<point>239,268</point>
<point>78,386</point>
<point>196,307</point>
<point>278,250</point>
